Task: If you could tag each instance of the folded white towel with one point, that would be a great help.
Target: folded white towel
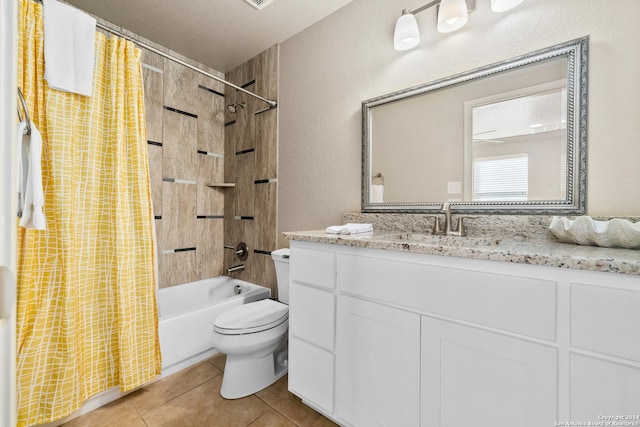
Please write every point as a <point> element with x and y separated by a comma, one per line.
<point>32,215</point>
<point>69,37</point>
<point>349,229</point>
<point>377,193</point>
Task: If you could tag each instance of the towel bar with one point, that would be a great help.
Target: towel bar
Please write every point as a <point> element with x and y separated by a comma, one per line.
<point>26,112</point>
<point>378,175</point>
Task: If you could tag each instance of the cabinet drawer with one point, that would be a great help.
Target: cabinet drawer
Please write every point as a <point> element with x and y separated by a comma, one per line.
<point>313,267</point>
<point>606,320</point>
<point>512,303</point>
<point>312,315</point>
<point>311,373</point>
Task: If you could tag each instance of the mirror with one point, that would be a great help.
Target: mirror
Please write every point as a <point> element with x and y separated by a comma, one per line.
<point>506,138</point>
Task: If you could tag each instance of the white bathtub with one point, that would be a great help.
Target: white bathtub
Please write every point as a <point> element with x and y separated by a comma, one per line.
<point>187,313</point>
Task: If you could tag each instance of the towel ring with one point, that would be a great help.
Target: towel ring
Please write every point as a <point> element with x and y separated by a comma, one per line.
<point>24,110</point>
<point>378,175</point>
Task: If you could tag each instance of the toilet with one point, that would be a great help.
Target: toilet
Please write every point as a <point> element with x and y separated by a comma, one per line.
<point>254,338</point>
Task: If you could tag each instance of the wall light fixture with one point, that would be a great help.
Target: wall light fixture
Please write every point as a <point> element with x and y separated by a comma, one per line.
<point>452,15</point>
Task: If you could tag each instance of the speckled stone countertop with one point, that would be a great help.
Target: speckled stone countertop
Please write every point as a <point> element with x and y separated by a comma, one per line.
<point>515,249</point>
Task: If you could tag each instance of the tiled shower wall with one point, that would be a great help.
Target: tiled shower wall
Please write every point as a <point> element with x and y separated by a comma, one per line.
<point>194,141</point>
<point>185,135</point>
<point>251,162</point>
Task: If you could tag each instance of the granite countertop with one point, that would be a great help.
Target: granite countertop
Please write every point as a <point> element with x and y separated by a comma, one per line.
<point>513,249</point>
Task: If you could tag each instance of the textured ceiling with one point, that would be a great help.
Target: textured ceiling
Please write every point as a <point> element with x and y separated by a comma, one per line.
<point>219,33</point>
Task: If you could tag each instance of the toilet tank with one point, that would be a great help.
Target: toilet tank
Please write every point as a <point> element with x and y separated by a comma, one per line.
<point>281,261</point>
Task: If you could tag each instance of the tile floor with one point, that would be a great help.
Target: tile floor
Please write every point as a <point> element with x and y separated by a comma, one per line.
<point>192,398</point>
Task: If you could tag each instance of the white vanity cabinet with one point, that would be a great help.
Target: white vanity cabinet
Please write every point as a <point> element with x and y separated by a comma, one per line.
<point>409,339</point>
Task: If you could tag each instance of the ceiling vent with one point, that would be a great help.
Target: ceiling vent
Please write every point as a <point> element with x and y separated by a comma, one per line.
<point>259,4</point>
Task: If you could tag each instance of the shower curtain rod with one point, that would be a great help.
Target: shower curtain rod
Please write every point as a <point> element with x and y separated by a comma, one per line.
<point>272,103</point>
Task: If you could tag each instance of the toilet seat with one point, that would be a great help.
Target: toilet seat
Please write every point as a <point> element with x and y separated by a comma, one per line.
<point>252,318</point>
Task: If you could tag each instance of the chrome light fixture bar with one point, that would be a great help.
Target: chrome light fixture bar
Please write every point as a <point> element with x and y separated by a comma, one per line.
<point>452,15</point>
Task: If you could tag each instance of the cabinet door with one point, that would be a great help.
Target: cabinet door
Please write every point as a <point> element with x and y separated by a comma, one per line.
<point>377,364</point>
<point>601,387</point>
<point>471,377</point>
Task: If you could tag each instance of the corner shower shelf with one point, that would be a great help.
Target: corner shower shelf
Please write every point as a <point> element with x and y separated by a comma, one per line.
<point>222,184</point>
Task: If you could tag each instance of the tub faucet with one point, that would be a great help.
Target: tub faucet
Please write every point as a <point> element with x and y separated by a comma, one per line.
<point>235,268</point>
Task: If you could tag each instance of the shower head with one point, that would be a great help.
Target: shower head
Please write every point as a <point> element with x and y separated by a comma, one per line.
<point>232,107</point>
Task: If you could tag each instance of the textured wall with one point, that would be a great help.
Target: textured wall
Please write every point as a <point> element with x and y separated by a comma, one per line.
<point>327,70</point>
<point>251,147</point>
<point>185,133</point>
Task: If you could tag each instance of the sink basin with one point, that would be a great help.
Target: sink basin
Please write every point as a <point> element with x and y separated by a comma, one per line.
<point>429,239</point>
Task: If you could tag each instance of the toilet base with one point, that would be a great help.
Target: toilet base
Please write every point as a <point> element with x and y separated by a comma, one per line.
<point>244,376</point>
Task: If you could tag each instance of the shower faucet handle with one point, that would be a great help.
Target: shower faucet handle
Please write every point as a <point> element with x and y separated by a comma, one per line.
<point>242,251</point>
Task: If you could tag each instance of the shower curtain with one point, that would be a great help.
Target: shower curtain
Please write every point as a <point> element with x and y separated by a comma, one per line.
<point>87,314</point>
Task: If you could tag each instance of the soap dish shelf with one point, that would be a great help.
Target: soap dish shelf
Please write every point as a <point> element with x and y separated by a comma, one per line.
<point>221,184</point>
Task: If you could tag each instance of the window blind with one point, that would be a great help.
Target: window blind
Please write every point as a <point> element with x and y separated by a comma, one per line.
<point>500,178</point>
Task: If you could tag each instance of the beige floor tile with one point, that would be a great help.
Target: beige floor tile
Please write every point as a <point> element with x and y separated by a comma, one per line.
<point>323,422</point>
<point>118,413</point>
<point>203,406</point>
<point>278,397</point>
<point>147,399</point>
<point>192,398</point>
<point>218,361</point>
<point>272,419</point>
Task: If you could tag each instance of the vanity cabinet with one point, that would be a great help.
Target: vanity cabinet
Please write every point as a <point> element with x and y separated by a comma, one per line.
<point>393,338</point>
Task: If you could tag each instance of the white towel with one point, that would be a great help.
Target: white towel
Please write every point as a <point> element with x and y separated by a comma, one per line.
<point>33,196</point>
<point>349,229</point>
<point>377,193</point>
<point>69,36</point>
<point>21,157</point>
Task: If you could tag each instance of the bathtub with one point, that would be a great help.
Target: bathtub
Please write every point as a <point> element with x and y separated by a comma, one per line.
<point>187,313</point>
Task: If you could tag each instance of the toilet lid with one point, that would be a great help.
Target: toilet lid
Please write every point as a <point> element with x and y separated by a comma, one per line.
<point>256,316</point>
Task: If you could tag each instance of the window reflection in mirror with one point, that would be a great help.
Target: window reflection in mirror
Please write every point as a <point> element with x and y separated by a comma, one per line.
<point>517,144</point>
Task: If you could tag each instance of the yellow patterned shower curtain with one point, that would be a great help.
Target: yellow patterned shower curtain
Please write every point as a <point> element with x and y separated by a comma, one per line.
<point>87,315</point>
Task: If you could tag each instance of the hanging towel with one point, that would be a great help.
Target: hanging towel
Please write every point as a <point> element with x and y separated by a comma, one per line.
<point>21,157</point>
<point>377,193</point>
<point>349,229</point>
<point>31,190</point>
<point>69,54</point>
